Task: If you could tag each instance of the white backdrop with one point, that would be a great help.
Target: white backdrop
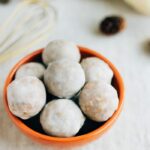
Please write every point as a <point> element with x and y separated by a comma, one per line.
<point>78,21</point>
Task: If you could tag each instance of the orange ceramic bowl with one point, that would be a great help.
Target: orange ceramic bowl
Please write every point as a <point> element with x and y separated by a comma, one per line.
<point>77,140</point>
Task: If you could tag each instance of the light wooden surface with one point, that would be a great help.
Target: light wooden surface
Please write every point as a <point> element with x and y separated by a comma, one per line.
<point>78,21</point>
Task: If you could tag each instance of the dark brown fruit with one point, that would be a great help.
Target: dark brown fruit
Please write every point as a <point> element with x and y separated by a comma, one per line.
<point>4,1</point>
<point>112,25</point>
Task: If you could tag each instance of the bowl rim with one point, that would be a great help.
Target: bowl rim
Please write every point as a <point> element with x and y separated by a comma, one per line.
<point>91,134</point>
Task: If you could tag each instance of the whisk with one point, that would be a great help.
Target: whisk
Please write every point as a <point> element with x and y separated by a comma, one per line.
<point>30,24</point>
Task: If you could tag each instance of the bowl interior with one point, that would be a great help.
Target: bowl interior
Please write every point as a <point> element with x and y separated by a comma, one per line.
<point>89,126</point>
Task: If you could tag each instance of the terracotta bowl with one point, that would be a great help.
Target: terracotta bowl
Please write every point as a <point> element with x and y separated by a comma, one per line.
<point>79,139</point>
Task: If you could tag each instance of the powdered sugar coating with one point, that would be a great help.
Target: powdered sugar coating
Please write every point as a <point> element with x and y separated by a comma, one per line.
<point>98,100</point>
<point>62,118</point>
<point>26,96</point>
<point>60,49</point>
<point>96,70</point>
<point>30,69</point>
<point>64,78</point>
